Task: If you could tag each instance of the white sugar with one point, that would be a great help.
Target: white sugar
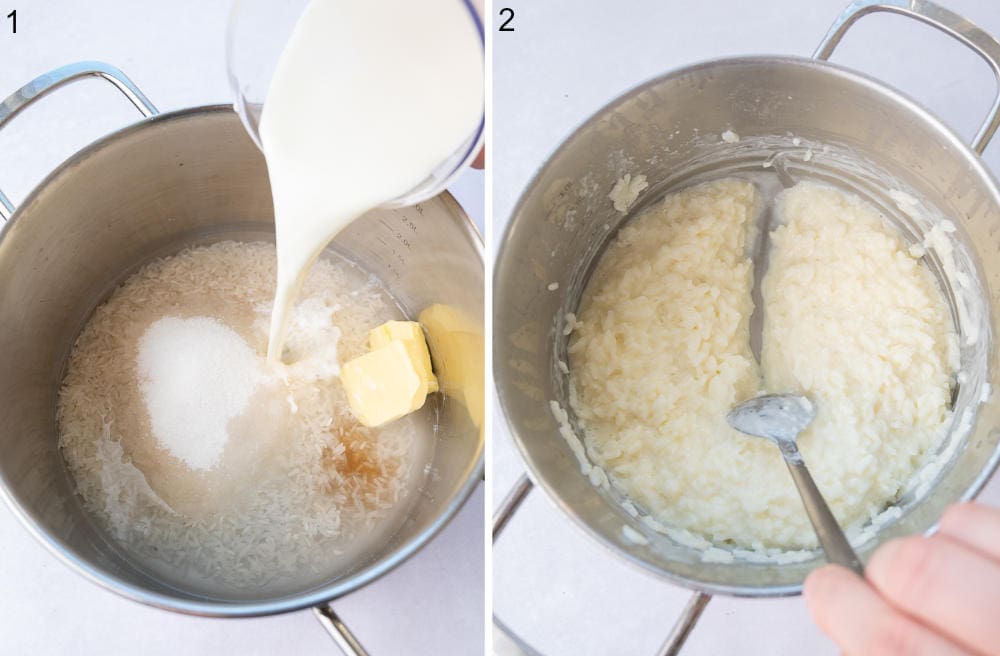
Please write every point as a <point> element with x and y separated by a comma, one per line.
<point>196,374</point>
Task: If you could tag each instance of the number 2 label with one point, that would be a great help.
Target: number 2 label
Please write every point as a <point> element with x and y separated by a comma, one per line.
<point>506,25</point>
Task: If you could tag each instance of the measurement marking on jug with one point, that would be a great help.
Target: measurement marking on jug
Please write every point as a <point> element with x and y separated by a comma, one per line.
<point>400,237</point>
<point>13,21</point>
<point>388,265</point>
<point>409,224</point>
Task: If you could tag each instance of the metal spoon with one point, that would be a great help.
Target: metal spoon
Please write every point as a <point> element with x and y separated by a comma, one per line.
<point>780,418</point>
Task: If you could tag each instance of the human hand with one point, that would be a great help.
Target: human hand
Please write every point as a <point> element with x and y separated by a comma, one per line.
<point>935,595</point>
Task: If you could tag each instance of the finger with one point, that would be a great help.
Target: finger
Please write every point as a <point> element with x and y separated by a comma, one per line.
<point>850,611</point>
<point>946,586</point>
<point>975,525</point>
<point>480,161</point>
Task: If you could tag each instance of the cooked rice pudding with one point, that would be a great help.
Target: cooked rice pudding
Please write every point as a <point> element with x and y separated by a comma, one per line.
<point>660,353</point>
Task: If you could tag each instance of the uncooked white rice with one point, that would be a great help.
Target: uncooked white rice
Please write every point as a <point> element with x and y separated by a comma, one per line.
<point>301,490</point>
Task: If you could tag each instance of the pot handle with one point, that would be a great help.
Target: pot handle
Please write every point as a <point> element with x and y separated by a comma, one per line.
<point>45,84</point>
<point>341,635</point>
<point>678,633</point>
<point>939,18</point>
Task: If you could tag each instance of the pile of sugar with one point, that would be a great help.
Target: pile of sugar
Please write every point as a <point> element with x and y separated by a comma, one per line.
<point>266,480</point>
<point>196,375</point>
<point>660,352</point>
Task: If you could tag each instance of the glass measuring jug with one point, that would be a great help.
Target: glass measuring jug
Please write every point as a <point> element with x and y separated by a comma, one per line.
<point>256,35</point>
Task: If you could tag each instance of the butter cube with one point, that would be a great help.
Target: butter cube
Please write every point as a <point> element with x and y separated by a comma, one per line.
<point>459,352</point>
<point>412,336</point>
<point>391,330</point>
<point>384,385</point>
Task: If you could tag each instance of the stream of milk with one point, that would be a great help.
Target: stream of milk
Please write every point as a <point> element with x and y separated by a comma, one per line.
<point>368,98</point>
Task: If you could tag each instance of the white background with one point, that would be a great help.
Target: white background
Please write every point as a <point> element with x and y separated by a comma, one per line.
<point>174,52</point>
<point>564,593</point>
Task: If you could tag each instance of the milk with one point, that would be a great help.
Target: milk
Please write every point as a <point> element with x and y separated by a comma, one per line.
<point>368,98</point>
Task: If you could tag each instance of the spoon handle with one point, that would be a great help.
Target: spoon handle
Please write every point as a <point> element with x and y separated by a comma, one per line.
<point>831,537</point>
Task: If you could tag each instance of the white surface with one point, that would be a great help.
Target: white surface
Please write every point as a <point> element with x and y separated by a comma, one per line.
<point>432,604</point>
<point>565,60</point>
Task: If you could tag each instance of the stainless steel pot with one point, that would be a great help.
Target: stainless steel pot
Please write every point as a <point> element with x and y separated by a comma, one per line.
<point>786,110</point>
<point>169,181</point>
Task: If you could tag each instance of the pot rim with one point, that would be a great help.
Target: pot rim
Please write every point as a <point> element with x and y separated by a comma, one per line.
<point>903,101</point>
<point>208,607</point>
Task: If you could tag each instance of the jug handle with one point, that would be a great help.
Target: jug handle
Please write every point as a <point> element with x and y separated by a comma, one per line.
<point>955,26</point>
<point>44,84</point>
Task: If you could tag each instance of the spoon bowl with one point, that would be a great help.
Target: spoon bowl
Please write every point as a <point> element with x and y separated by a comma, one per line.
<point>776,417</point>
